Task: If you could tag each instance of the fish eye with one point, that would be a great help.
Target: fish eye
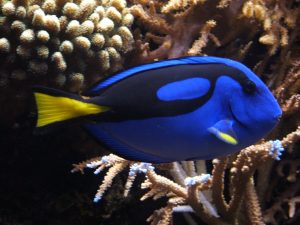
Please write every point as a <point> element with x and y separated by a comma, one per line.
<point>249,87</point>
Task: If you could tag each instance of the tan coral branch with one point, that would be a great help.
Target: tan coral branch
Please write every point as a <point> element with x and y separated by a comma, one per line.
<point>252,204</point>
<point>108,179</point>
<point>167,184</point>
<point>153,22</point>
<point>82,165</point>
<point>194,201</point>
<point>291,138</point>
<point>291,105</point>
<point>218,185</point>
<point>177,5</point>
<point>292,206</point>
<point>199,44</point>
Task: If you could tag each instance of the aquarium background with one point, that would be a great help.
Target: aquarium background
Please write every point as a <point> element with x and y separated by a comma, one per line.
<point>70,45</point>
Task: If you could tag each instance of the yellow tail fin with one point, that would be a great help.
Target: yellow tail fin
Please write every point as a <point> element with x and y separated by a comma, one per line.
<point>52,109</point>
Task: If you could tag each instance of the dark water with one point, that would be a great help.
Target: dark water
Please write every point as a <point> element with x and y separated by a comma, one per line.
<point>37,186</point>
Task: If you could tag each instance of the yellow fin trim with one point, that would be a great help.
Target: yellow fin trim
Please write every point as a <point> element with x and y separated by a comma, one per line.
<point>227,138</point>
<point>52,109</point>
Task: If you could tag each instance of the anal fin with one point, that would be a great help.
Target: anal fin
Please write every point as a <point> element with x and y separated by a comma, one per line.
<point>120,148</point>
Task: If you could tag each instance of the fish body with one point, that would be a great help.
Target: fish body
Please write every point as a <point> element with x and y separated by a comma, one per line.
<point>179,109</point>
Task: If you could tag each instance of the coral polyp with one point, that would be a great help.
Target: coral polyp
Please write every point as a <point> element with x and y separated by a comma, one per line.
<point>56,36</point>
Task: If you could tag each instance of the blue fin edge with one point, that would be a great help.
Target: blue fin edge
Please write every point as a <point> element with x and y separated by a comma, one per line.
<point>166,63</point>
<point>120,148</point>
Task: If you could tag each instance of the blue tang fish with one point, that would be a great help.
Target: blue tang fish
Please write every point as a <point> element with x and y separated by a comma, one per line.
<point>179,109</point>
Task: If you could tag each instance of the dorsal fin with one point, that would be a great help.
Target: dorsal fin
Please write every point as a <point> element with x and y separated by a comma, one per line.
<point>160,64</point>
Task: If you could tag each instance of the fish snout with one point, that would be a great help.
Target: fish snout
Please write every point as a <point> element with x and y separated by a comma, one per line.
<point>277,115</point>
<point>276,110</point>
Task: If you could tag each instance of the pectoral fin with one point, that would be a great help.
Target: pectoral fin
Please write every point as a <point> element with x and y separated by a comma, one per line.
<point>223,130</point>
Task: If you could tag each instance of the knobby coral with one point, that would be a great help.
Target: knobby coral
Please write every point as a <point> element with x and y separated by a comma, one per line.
<point>63,42</point>
<point>60,43</point>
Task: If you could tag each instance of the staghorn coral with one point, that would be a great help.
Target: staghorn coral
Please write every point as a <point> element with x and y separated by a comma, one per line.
<point>189,191</point>
<point>52,40</point>
<point>199,44</point>
<point>275,17</point>
<point>174,26</point>
<point>286,172</point>
<point>273,215</point>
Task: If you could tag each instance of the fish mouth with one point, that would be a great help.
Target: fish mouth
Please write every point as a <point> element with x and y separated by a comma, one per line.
<point>279,116</point>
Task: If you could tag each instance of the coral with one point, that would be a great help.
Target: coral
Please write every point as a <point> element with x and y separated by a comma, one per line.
<point>275,17</point>
<point>285,172</point>
<point>59,33</point>
<point>278,207</point>
<point>205,33</point>
<point>174,26</point>
<point>71,44</point>
<point>189,191</point>
<point>46,38</point>
<point>263,35</point>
